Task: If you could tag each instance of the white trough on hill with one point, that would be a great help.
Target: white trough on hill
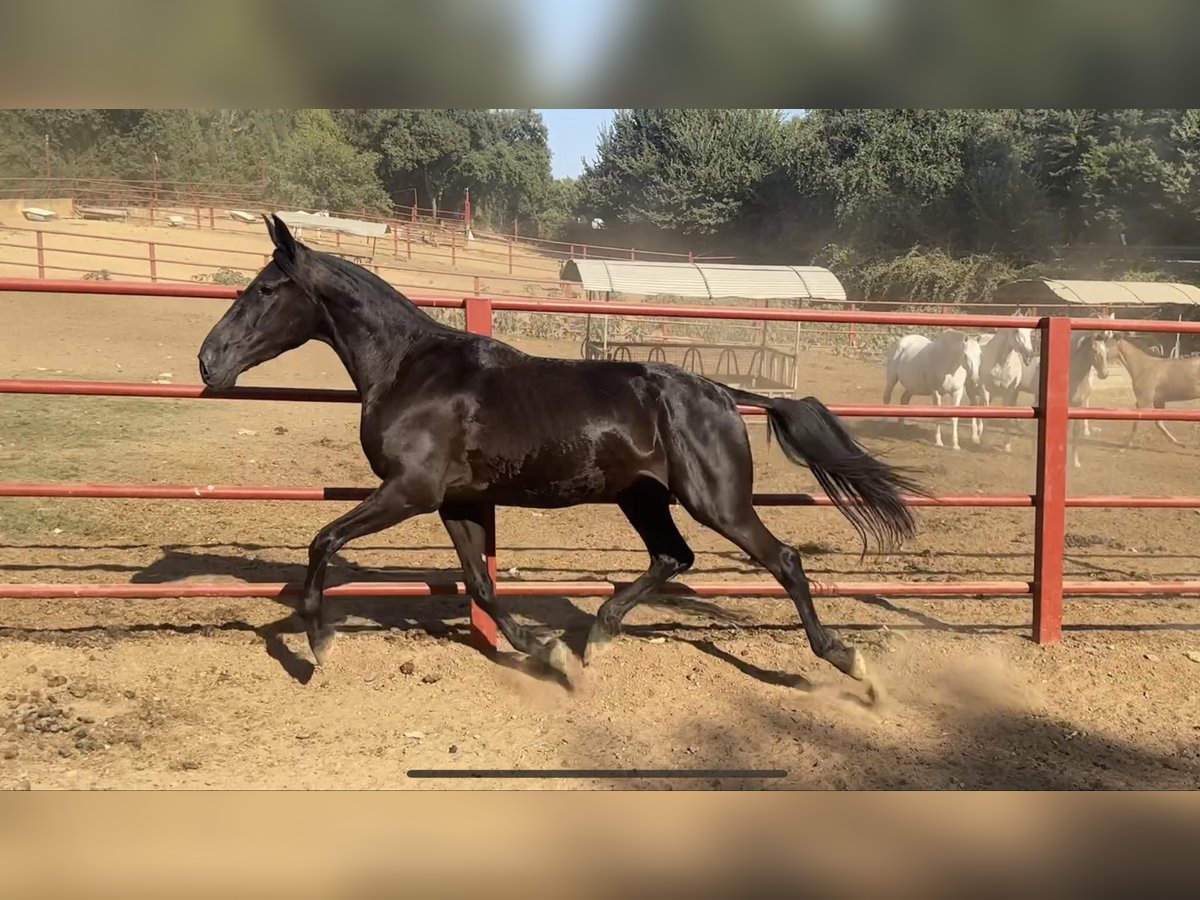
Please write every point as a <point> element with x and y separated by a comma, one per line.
<point>103,213</point>
<point>297,219</point>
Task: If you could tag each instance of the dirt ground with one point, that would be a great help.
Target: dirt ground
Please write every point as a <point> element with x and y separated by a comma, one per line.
<point>219,693</point>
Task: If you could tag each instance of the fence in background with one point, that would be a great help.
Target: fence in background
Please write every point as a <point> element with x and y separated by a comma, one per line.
<point>1049,502</point>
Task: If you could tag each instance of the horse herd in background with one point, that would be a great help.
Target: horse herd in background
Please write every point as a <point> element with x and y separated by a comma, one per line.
<point>954,366</point>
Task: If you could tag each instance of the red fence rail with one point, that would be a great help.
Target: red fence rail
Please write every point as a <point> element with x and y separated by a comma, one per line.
<point>1049,502</point>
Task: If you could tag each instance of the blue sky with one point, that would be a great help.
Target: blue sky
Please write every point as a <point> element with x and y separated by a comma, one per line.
<point>573,134</point>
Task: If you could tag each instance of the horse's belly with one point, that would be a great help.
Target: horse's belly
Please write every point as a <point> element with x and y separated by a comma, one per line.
<point>559,473</point>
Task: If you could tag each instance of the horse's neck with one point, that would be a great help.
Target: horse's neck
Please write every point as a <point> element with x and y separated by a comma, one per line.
<point>1081,365</point>
<point>1003,348</point>
<point>1133,357</point>
<point>371,331</point>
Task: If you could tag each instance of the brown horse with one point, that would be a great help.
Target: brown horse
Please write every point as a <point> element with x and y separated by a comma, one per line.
<point>1157,382</point>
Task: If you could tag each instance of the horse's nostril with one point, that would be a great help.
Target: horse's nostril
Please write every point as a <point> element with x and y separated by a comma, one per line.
<point>203,370</point>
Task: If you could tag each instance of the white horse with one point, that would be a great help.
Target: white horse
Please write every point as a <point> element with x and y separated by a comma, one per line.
<point>1080,393</point>
<point>1006,354</point>
<point>945,368</point>
<point>1089,361</point>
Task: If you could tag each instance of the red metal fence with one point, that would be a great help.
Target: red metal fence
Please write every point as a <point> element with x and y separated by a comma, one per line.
<point>1049,502</point>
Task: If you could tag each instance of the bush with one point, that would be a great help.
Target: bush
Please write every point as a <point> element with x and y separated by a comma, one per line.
<point>98,275</point>
<point>226,276</point>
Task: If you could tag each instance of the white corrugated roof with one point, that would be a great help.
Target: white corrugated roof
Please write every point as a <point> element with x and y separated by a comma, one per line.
<point>710,280</point>
<point>1123,293</point>
<point>298,219</point>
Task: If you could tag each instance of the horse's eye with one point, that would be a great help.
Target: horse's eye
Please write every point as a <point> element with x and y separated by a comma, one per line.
<point>267,290</point>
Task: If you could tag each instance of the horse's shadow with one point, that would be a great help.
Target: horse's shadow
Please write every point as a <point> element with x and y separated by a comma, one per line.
<point>438,616</point>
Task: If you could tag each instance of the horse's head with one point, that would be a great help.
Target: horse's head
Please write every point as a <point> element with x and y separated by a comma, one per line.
<point>1022,340</point>
<point>972,362</point>
<point>272,314</point>
<point>1099,354</point>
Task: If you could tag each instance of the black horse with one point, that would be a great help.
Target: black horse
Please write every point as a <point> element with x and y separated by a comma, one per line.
<point>455,423</point>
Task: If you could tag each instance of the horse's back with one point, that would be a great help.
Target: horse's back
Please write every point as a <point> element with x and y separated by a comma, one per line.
<point>907,348</point>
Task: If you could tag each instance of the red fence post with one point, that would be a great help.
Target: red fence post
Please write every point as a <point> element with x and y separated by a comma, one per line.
<point>395,238</point>
<point>453,248</point>
<point>212,219</point>
<point>476,291</point>
<point>153,263</point>
<point>1050,501</point>
<point>850,326</point>
<point>408,242</point>
<point>633,253</point>
<point>483,627</point>
<point>41,255</point>
<point>510,264</point>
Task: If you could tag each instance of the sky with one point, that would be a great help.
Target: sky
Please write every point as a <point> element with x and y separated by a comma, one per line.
<point>573,135</point>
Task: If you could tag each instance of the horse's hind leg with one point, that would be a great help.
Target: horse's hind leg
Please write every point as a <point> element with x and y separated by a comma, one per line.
<point>647,507</point>
<point>722,502</point>
<point>905,396</point>
<point>388,505</point>
<point>744,528</point>
<point>466,530</point>
<point>1162,426</point>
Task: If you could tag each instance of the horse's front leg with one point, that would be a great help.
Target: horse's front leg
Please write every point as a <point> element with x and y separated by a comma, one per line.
<point>390,504</point>
<point>465,525</point>
<point>957,399</point>
<point>1010,399</point>
<point>937,428</point>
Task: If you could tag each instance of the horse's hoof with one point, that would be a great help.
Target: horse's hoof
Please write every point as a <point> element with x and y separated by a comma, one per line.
<point>320,642</point>
<point>877,694</point>
<point>848,660</point>
<point>599,642</point>
<point>558,657</point>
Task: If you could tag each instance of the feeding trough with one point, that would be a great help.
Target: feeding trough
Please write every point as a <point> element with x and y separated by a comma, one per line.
<point>103,213</point>
<point>37,214</point>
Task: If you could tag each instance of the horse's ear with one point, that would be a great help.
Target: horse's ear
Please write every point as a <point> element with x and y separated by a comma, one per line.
<point>281,236</point>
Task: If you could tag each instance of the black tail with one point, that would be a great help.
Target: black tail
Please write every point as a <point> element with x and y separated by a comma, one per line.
<point>868,492</point>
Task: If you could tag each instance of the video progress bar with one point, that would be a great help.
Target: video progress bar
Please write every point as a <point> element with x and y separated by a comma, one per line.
<point>597,773</point>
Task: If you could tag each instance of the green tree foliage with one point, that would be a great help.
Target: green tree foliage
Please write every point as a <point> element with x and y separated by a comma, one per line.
<point>686,171</point>
<point>969,194</point>
<point>432,157</point>
<point>319,168</point>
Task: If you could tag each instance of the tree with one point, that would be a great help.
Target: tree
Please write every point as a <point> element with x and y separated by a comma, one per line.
<point>433,156</point>
<point>688,171</point>
<point>318,168</point>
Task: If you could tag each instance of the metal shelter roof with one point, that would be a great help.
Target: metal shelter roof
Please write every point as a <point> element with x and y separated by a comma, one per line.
<point>299,219</point>
<point>709,280</point>
<point>1115,293</point>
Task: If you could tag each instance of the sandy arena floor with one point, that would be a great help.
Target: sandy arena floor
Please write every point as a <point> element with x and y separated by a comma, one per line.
<point>219,693</point>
